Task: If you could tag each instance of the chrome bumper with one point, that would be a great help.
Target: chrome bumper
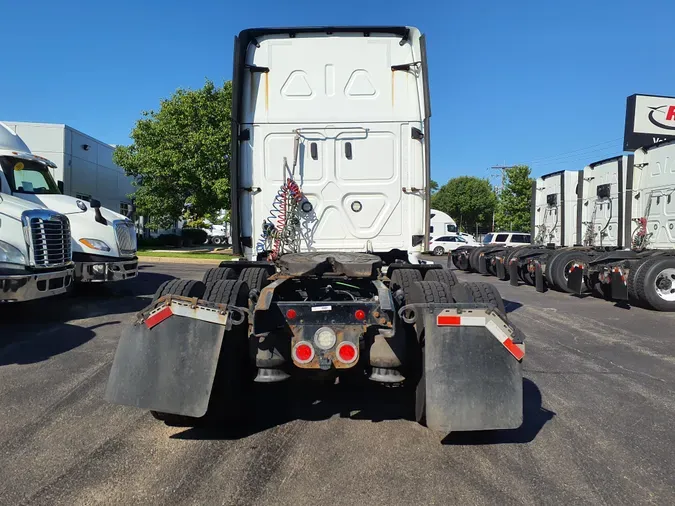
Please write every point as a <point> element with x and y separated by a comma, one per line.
<point>101,272</point>
<point>23,287</point>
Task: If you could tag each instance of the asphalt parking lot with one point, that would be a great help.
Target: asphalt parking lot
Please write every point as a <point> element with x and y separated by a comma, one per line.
<point>599,417</point>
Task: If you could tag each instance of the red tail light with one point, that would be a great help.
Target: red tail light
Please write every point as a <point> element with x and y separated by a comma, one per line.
<point>303,352</point>
<point>291,314</point>
<point>360,315</point>
<point>347,352</point>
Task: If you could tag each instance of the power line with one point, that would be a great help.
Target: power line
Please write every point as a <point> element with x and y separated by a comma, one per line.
<point>573,151</point>
<point>579,156</point>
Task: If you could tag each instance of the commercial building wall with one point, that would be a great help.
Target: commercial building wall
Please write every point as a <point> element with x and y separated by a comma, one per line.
<point>84,164</point>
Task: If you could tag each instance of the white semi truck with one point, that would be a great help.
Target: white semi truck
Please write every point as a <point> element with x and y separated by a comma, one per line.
<point>330,212</point>
<point>103,242</point>
<point>575,214</point>
<point>35,251</point>
<point>643,268</point>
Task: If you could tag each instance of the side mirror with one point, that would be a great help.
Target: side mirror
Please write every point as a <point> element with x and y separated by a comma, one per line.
<point>96,206</point>
<point>60,185</point>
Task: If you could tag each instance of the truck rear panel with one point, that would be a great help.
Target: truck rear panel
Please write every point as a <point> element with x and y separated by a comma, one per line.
<point>342,113</point>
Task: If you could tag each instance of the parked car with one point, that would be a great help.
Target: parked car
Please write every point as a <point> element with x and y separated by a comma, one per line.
<point>507,238</point>
<point>440,245</point>
<point>471,239</point>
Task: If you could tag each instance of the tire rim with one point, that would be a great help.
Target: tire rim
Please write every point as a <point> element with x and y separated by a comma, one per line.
<point>438,251</point>
<point>568,268</point>
<point>664,284</point>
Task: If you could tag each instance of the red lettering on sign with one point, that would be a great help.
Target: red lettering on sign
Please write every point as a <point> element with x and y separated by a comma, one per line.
<point>671,113</point>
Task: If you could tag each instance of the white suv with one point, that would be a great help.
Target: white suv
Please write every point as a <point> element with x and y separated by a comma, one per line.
<point>440,245</point>
<point>506,238</point>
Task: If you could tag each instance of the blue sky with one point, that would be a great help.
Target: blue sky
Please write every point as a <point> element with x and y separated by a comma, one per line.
<point>536,81</point>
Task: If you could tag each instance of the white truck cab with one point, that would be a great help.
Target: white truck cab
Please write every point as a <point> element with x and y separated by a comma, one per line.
<point>103,242</point>
<point>35,251</point>
<point>338,119</point>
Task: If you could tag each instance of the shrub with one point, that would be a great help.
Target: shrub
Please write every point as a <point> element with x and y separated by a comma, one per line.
<point>195,235</point>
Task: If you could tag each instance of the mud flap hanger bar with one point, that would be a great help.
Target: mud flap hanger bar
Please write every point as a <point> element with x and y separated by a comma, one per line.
<point>170,305</point>
<point>469,317</point>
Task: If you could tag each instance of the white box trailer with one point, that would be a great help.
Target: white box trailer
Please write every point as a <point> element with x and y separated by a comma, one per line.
<point>330,178</point>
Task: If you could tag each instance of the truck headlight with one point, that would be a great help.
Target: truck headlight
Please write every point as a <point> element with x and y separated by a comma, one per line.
<point>11,255</point>
<point>95,244</point>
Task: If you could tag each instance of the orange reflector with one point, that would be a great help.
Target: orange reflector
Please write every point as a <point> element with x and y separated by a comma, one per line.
<point>513,349</point>
<point>446,320</point>
<point>158,317</point>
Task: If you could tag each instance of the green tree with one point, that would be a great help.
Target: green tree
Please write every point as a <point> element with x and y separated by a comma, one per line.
<point>468,200</point>
<point>180,156</point>
<point>513,210</point>
<point>433,186</point>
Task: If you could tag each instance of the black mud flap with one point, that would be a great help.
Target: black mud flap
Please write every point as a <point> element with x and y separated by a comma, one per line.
<point>619,288</point>
<point>482,264</point>
<point>513,272</point>
<point>473,382</point>
<point>575,279</point>
<point>501,270</point>
<point>539,282</point>
<point>168,368</point>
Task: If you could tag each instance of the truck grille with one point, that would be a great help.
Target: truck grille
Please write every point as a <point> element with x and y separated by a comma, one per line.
<point>126,237</point>
<point>49,238</point>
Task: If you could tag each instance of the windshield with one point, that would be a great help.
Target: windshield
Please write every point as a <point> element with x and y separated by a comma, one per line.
<point>25,176</point>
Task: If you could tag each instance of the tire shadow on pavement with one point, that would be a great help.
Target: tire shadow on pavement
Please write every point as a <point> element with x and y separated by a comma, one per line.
<point>511,305</point>
<point>30,348</point>
<point>535,416</point>
<point>288,402</point>
<point>84,301</point>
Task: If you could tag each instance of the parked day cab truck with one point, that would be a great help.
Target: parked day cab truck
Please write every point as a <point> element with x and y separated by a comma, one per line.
<point>35,254</point>
<point>330,212</point>
<point>103,242</point>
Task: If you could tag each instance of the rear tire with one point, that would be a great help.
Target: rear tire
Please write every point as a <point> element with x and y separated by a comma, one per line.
<point>487,294</point>
<point>631,282</point>
<point>423,292</point>
<point>254,277</point>
<point>445,276</point>
<point>655,283</point>
<point>559,271</point>
<point>439,251</point>
<point>217,241</point>
<point>218,273</point>
<point>231,385</point>
<point>404,278</point>
<point>182,287</point>
<point>473,259</point>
